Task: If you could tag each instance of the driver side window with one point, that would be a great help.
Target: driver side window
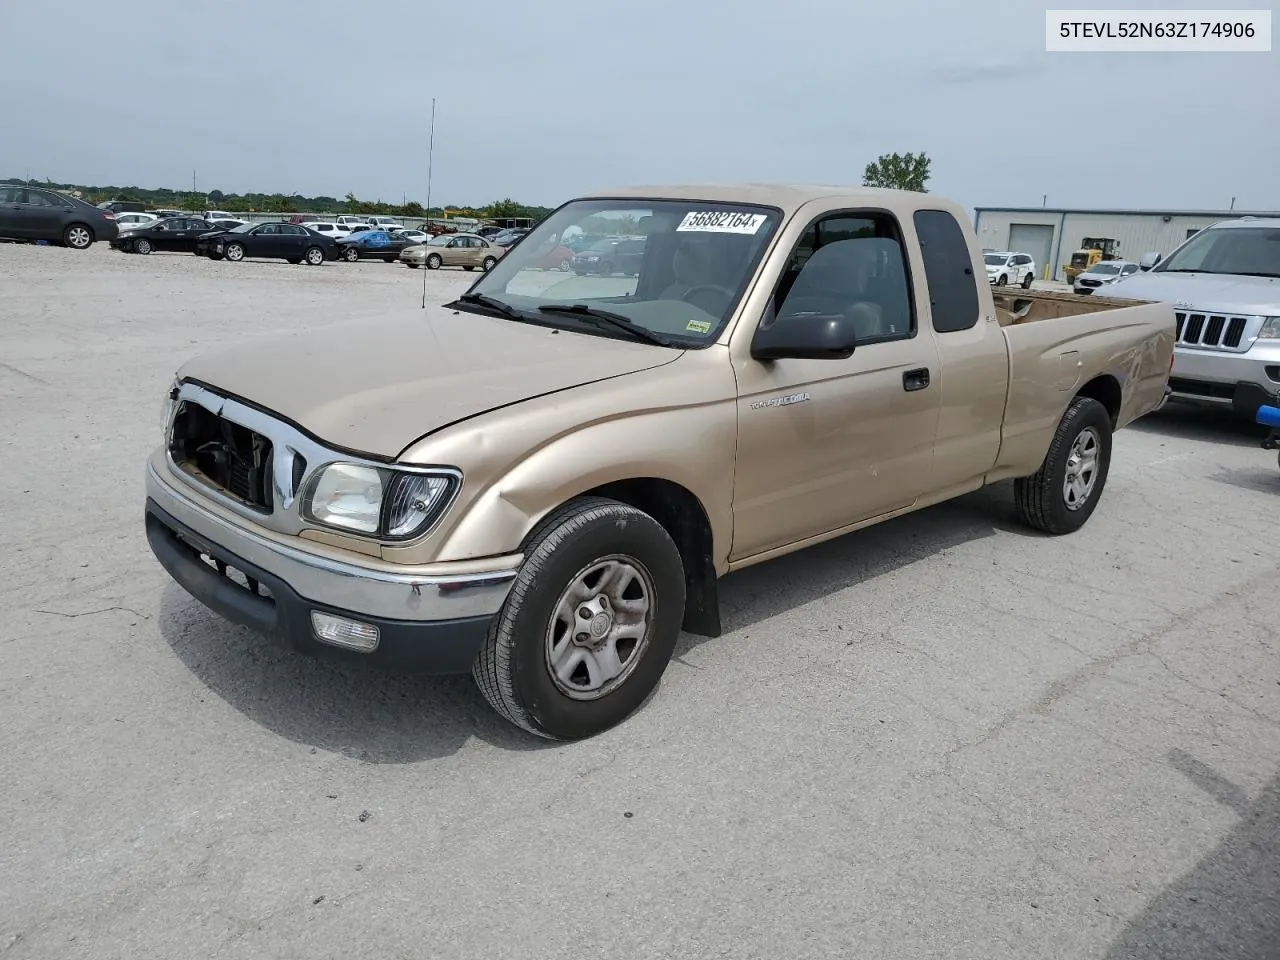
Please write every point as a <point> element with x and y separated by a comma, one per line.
<point>854,265</point>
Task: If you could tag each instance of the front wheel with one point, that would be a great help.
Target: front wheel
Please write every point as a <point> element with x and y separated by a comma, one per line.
<point>142,245</point>
<point>351,254</point>
<point>590,623</point>
<point>314,256</point>
<point>234,252</point>
<point>1002,280</point>
<point>434,261</point>
<point>1062,495</point>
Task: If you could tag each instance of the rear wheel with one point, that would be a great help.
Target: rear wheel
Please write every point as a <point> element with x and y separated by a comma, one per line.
<point>1026,281</point>
<point>77,236</point>
<point>314,256</point>
<point>590,624</point>
<point>234,252</point>
<point>488,263</point>
<point>1062,495</point>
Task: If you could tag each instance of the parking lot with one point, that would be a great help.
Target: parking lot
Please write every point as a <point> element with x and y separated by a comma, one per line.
<point>943,736</point>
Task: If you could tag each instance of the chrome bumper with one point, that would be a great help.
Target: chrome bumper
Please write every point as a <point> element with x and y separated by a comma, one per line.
<point>371,587</point>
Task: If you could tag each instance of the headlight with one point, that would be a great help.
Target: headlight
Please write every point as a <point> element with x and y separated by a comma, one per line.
<point>1270,329</point>
<point>375,500</point>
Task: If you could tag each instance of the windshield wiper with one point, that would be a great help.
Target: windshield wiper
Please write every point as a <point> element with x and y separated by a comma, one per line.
<point>616,319</point>
<point>480,300</point>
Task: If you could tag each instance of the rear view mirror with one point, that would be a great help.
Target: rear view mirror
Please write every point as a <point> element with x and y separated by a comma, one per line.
<point>805,336</point>
<point>1149,260</point>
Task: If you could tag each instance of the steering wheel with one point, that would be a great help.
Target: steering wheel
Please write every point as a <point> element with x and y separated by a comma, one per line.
<point>725,292</point>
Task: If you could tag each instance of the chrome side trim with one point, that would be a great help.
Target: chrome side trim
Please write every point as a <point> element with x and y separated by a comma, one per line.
<point>347,585</point>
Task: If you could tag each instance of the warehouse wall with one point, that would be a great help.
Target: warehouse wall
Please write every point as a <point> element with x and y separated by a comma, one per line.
<point>1138,233</point>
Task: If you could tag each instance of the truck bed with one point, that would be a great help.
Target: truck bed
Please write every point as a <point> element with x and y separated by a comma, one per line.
<point>1027,306</point>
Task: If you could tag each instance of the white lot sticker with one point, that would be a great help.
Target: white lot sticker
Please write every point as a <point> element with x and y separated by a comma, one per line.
<point>719,221</point>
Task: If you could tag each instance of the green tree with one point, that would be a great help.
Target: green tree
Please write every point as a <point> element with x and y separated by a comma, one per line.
<point>216,196</point>
<point>413,209</point>
<point>193,202</point>
<point>905,171</point>
<point>352,204</point>
<point>278,203</point>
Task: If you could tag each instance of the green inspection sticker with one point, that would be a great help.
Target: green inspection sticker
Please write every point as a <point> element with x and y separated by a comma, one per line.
<point>698,326</point>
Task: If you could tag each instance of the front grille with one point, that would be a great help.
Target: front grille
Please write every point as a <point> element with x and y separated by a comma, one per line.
<point>1212,330</point>
<point>231,458</point>
<point>1090,283</point>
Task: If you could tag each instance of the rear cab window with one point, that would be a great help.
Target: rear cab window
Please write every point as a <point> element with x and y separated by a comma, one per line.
<point>948,270</point>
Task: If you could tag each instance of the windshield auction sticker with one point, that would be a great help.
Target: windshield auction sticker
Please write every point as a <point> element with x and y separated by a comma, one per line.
<point>1158,31</point>
<point>720,221</point>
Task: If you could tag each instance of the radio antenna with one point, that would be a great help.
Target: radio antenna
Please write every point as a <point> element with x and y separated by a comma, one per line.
<point>431,147</point>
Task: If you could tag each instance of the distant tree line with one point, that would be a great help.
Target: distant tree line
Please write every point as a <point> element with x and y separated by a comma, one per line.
<point>162,198</point>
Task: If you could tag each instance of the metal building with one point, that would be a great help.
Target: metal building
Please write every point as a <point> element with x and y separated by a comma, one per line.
<point>1051,236</point>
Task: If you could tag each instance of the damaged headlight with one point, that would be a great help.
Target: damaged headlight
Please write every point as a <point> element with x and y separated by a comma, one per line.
<point>166,408</point>
<point>378,501</point>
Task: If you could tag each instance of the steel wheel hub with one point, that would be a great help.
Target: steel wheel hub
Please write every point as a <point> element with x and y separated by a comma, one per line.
<point>600,627</point>
<point>1082,469</point>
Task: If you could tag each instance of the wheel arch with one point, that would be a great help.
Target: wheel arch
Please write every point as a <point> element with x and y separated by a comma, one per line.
<point>1104,388</point>
<point>679,511</point>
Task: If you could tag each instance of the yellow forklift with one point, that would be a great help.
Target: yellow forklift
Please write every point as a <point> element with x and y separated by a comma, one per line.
<point>1092,250</point>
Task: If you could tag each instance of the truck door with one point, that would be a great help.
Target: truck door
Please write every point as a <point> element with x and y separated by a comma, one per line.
<point>974,379</point>
<point>824,444</point>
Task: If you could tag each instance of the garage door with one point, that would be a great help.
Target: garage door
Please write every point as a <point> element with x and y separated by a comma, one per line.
<point>1035,239</point>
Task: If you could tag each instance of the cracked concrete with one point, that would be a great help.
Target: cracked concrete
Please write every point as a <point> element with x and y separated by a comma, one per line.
<point>940,737</point>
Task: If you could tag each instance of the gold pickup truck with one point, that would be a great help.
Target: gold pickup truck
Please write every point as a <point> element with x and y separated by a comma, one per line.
<point>542,482</point>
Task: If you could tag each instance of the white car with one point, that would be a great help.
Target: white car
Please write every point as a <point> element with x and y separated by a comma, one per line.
<point>1005,266</point>
<point>1104,274</point>
<point>212,215</point>
<point>384,223</point>
<point>125,221</point>
<point>354,224</point>
<point>417,236</point>
<point>335,230</point>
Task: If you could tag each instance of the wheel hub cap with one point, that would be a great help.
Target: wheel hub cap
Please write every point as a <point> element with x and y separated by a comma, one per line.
<point>600,628</point>
<point>1082,469</point>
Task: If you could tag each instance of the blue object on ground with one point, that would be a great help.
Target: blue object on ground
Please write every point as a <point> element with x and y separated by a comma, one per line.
<point>1268,416</point>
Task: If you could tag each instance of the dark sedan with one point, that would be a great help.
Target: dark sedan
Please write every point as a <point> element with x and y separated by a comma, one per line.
<point>272,241</point>
<point>609,257</point>
<point>27,213</point>
<point>373,245</point>
<point>175,234</point>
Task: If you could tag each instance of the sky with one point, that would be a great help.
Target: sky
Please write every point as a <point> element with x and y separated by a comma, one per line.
<point>542,101</point>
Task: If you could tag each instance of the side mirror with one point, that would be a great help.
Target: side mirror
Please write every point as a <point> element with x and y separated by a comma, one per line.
<point>1149,260</point>
<point>805,336</point>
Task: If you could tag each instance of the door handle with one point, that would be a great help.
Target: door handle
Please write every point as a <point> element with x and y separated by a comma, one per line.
<point>916,379</point>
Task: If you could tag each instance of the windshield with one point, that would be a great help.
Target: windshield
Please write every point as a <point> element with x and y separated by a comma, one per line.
<point>676,268</point>
<point>995,260</point>
<point>440,241</point>
<point>1105,268</point>
<point>1249,251</point>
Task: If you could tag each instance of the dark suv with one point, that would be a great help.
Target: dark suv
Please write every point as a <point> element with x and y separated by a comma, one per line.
<point>27,213</point>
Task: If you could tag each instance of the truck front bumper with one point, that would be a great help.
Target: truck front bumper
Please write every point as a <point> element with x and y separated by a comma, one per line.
<point>1241,382</point>
<point>413,620</point>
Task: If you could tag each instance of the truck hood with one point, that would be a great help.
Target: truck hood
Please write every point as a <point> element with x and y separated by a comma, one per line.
<point>1219,293</point>
<point>376,387</point>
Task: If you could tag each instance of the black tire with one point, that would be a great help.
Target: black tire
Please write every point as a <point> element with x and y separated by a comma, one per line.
<point>1042,499</point>
<point>434,261</point>
<point>412,266</point>
<point>467,268</point>
<point>488,263</point>
<point>234,252</point>
<point>214,256</point>
<point>77,236</point>
<point>1026,284</point>
<point>295,260</point>
<point>512,669</point>
<point>351,254</point>
<point>141,245</point>
<point>313,257</point>
<point>1002,280</point>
